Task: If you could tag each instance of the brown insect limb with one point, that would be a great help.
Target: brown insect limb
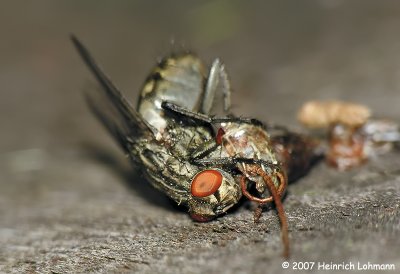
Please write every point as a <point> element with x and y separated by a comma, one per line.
<point>280,190</point>
<point>276,197</point>
<point>257,213</point>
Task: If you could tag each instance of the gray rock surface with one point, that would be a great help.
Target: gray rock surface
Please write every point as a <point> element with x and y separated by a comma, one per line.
<point>70,202</point>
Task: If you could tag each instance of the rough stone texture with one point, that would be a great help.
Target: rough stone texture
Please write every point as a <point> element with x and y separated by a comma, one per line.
<point>69,201</point>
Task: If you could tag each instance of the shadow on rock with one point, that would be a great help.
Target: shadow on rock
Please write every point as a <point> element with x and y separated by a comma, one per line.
<point>130,176</point>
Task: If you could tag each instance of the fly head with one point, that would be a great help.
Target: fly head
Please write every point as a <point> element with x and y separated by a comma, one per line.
<point>213,192</point>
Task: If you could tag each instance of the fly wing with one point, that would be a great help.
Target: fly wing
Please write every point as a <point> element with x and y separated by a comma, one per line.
<point>111,108</point>
<point>217,94</point>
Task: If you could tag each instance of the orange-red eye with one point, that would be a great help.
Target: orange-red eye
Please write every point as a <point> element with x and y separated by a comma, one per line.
<point>218,138</point>
<point>206,183</point>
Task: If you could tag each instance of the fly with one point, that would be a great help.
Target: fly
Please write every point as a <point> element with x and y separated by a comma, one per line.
<point>266,161</point>
<point>158,143</point>
<point>199,161</point>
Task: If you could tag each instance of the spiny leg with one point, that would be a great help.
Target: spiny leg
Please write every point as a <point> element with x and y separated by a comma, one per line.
<point>233,161</point>
<point>181,111</point>
<point>206,148</point>
<point>178,110</point>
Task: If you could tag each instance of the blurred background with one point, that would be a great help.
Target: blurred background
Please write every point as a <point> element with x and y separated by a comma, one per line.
<point>278,54</point>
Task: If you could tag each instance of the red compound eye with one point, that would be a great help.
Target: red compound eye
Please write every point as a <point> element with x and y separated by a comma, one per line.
<point>218,138</point>
<point>206,183</point>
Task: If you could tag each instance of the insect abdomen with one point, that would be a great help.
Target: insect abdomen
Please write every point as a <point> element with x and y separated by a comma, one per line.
<point>178,79</point>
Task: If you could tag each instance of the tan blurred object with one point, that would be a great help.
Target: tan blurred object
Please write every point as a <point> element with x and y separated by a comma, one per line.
<point>352,136</point>
<point>347,147</point>
<point>322,114</point>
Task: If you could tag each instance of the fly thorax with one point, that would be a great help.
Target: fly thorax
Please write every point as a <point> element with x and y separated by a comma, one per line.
<point>186,139</point>
<point>251,142</point>
<point>235,141</point>
<point>247,141</point>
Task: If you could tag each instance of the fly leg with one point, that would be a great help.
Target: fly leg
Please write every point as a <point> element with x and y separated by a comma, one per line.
<point>185,113</point>
<point>203,118</point>
<point>234,161</point>
<point>258,212</point>
<point>205,149</point>
<point>217,81</point>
